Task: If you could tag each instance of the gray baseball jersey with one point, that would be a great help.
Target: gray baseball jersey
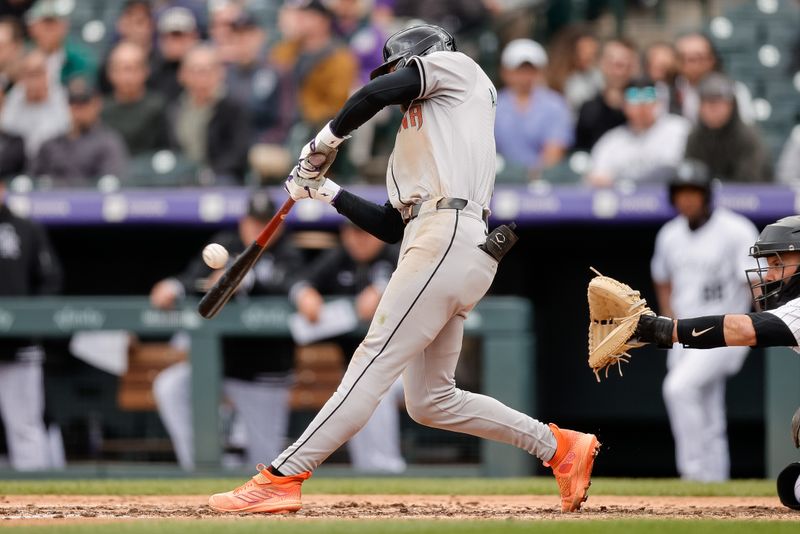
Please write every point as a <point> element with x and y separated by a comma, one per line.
<point>444,148</point>
<point>445,144</point>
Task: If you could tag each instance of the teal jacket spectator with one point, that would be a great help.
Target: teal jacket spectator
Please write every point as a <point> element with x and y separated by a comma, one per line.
<point>48,27</point>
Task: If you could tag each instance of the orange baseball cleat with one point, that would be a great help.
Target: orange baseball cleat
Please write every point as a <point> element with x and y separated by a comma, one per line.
<point>265,492</point>
<point>572,465</point>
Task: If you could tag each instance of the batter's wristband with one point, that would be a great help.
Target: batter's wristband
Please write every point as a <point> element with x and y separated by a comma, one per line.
<point>702,332</point>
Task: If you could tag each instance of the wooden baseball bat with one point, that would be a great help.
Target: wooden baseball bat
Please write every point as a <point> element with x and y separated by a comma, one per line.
<point>216,297</point>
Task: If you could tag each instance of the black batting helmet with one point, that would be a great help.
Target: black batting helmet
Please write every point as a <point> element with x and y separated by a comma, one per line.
<point>414,41</point>
<point>693,174</point>
<point>780,236</point>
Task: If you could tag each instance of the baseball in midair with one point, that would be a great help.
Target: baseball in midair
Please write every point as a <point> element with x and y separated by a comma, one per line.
<point>215,256</point>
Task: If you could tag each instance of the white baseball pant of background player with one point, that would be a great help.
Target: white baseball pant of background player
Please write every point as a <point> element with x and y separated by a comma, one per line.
<point>264,412</point>
<point>26,435</point>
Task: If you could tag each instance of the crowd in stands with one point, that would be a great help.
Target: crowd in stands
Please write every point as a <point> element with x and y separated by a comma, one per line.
<point>637,113</point>
<point>233,98</point>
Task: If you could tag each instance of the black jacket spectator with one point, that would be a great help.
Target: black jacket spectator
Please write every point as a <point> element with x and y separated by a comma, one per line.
<point>732,150</point>
<point>12,155</point>
<point>594,119</point>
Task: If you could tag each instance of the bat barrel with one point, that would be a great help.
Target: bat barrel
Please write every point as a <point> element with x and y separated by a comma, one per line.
<point>222,291</point>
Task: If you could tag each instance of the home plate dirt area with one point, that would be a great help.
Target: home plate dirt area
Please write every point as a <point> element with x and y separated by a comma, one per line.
<point>74,508</point>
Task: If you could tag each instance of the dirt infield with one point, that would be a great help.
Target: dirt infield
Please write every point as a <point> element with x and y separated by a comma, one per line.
<point>32,509</point>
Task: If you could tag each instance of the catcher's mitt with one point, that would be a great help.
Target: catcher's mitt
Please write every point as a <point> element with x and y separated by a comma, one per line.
<point>614,310</point>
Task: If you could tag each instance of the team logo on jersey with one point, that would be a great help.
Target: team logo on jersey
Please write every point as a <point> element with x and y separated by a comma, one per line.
<point>413,117</point>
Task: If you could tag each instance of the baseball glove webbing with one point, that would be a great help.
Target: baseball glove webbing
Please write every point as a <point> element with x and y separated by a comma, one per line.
<point>614,310</point>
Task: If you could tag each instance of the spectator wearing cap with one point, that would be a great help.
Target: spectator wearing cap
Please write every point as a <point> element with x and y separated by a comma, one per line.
<point>131,110</point>
<point>321,68</point>
<point>35,108</point>
<point>533,127</point>
<point>697,57</point>
<point>618,63</point>
<point>135,24</point>
<point>89,150</point>
<point>177,34</point>
<point>732,150</point>
<point>208,126</point>
<point>12,48</point>
<point>256,369</point>
<point>48,26</point>
<point>647,144</point>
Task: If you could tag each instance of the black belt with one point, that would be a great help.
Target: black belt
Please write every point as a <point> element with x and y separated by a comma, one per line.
<point>446,204</point>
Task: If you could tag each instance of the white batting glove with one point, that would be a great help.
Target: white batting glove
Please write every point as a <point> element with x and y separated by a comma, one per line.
<point>323,189</point>
<point>318,155</point>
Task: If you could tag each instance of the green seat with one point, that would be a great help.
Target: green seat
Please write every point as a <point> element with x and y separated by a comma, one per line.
<point>161,169</point>
<point>561,174</point>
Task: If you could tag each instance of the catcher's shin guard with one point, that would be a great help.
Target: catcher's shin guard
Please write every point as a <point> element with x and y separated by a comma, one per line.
<point>787,482</point>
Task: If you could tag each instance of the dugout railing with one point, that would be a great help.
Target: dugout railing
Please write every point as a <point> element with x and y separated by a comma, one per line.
<point>502,323</point>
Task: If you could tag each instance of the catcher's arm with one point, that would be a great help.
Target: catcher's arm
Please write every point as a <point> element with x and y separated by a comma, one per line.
<point>761,329</point>
<point>619,321</point>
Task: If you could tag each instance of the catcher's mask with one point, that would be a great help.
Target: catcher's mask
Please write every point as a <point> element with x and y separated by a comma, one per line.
<point>414,41</point>
<point>780,237</point>
<point>692,174</point>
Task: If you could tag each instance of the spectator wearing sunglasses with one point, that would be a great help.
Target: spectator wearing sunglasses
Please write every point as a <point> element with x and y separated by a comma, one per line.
<point>640,150</point>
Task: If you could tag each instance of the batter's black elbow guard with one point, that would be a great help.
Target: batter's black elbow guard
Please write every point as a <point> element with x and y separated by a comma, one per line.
<point>652,329</point>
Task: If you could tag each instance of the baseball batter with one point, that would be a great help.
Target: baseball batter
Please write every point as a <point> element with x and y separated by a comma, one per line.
<point>775,286</point>
<point>698,269</point>
<point>440,180</point>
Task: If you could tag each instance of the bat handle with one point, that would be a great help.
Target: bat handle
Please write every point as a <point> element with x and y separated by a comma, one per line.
<point>269,230</point>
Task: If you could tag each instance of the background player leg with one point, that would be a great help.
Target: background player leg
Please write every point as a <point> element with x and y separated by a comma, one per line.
<point>689,398</point>
<point>264,409</point>
<point>376,447</point>
<point>22,409</point>
<point>173,394</point>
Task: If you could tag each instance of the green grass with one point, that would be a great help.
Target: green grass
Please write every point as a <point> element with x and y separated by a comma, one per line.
<point>417,527</point>
<point>391,486</point>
